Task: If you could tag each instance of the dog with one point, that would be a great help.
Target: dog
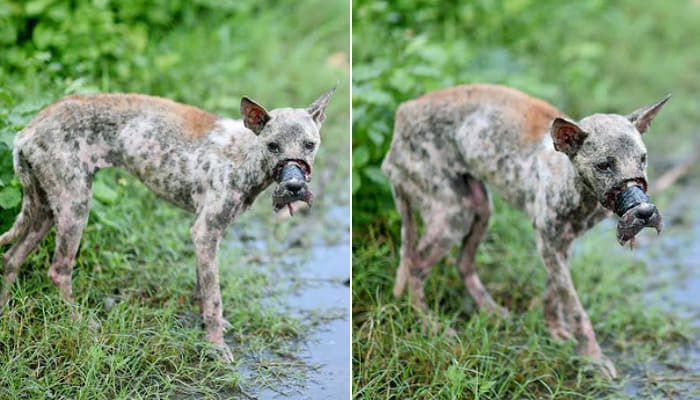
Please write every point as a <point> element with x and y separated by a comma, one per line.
<point>212,166</point>
<point>564,175</point>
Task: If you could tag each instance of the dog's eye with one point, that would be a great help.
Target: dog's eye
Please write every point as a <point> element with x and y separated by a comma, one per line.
<point>273,147</point>
<point>309,145</point>
<point>604,166</point>
<point>644,159</point>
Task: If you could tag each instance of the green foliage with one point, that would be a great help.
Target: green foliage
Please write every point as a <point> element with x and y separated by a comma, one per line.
<point>10,197</point>
<point>396,356</point>
<point>64,37</point>
<point>13,116</point>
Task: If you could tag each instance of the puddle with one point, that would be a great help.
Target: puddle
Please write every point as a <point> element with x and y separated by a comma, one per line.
<point>328,347</point>
<point>308,283</point>
<point>673,261</point>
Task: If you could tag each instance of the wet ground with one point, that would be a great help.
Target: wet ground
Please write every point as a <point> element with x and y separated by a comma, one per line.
<point>328,348</point>
<point>673,283</point>
<point>310,281</point>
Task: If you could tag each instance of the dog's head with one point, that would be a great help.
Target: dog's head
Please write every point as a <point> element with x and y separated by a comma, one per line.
<point>290,138</point>
<point>608,153</point>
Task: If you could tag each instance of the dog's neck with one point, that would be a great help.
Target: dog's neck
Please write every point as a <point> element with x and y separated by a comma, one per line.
<point>567,192</point>
<point>584,204</point>
<point>257,174</point>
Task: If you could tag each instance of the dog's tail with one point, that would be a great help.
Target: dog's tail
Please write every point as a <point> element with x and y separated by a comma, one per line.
<point>22,169</point>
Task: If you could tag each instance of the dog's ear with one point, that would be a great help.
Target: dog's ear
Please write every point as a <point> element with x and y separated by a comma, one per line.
<point>254,115</point>
<point>642,117</point>
<point>567,136</point>
<point>317,109</point>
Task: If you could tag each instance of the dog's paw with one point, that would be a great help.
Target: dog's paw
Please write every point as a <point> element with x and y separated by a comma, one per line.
<point>94,323</point>
<point>558,332</point>
<point>220,352</point>
<point>450,332</point>
<point>600,367</point>
<point>225,354</point>
<point>498,311</point>
<point>4,299</point>
<point>435,327</point>
<point>606,368</point>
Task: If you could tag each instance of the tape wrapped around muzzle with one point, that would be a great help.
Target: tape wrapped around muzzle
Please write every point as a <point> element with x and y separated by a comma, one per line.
<point>292,171</point>
<point>629,198</point>
<point>292,186</point>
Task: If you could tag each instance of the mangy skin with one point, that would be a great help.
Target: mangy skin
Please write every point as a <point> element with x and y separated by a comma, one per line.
<point>449,143</point>
<point>212,166</point>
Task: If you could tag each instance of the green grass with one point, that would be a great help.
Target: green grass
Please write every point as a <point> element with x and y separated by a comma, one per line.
<point>395,356</point>
<point>140,336</point>
<point>583,57</point>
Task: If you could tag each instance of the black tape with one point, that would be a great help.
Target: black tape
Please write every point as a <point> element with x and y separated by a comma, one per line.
<point>292,171</point>
<point>628,198</point>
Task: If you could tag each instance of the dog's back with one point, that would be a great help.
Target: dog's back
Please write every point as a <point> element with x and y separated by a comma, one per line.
<point>156,139</point>
<point>492,133</point>
<point>117,109</point>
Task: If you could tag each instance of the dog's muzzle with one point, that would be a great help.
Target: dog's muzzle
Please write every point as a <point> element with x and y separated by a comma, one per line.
<point>292,177</point>
<point>636,211</point>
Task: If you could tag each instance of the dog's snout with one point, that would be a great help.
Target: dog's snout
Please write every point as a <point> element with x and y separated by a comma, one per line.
<point>645,211</point>
<point>294,186</point>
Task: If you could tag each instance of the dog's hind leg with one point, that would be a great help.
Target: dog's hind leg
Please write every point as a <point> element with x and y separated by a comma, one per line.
<point>39,226</point>
<point>71,210</point>
<point>445,223</point>
<point>447,215</point>
<point>30,227</point>
<point>408,241</point>
<point>465,263</point>
<point>31,199</point>
<point>432,247</point>
<point>19,226</point>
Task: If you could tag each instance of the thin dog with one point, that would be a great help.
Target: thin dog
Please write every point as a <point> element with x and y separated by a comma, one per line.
<point>212,166</point>
<point>564,175</point>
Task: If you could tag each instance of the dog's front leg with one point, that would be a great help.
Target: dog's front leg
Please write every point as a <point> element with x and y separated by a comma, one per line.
<point>206,239</point>
<point>563,311</point>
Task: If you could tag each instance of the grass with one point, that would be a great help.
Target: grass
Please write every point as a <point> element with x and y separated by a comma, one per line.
<point>395,356</point>
<point>140,336</point>
<point>583,57</point>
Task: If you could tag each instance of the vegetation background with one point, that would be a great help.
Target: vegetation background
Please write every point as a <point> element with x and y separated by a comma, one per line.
<point>135,270</point>
<point>583,57</point>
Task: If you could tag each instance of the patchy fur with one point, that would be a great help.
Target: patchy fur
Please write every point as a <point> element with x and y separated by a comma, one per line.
<point>448,143</point>
<point>212,166</point>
